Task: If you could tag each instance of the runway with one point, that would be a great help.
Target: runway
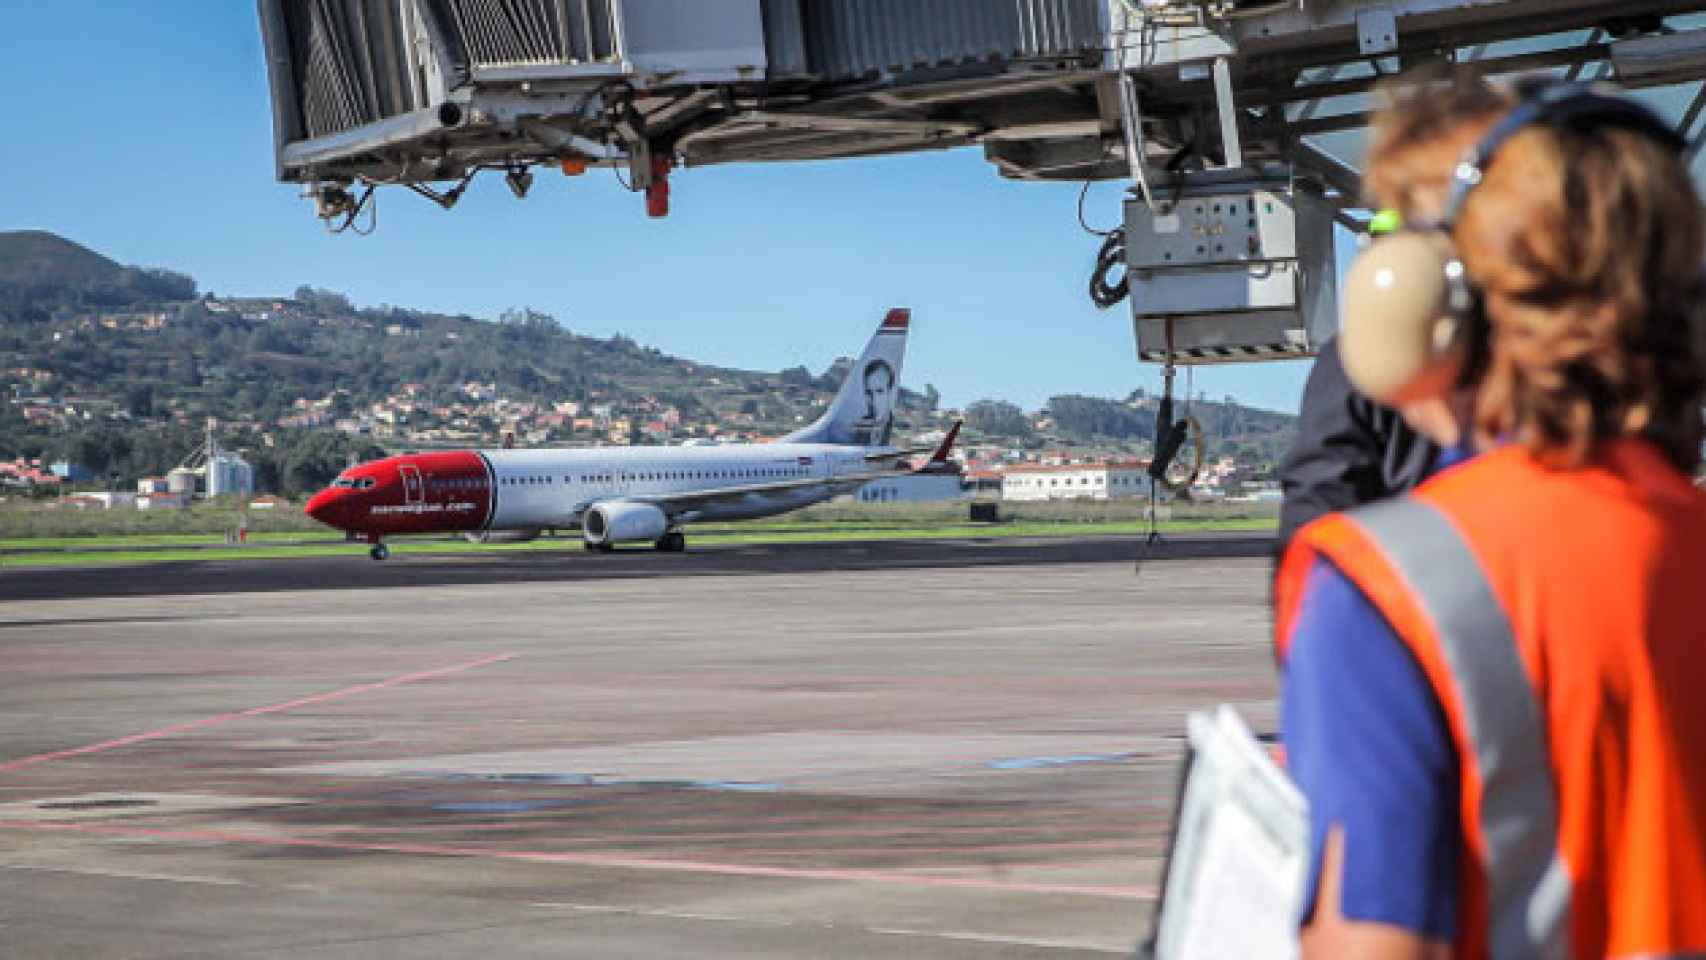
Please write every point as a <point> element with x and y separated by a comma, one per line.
<point>891,750</point>
<point>357,571</point>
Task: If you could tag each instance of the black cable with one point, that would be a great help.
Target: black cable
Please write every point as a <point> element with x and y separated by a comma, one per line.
<point>1085,190</point>
<point>1103,293</point>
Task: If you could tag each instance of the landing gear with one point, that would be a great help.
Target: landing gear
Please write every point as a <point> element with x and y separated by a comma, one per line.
<point>672,542</point>
<point>379,551</point>
<point>604,547</point>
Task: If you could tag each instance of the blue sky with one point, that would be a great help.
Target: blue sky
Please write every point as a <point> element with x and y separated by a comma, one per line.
<point>143,131</point>
<point>146,135</point>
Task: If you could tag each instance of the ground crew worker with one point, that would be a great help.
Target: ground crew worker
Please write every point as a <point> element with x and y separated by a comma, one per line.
<point>1349,450</point>
<point>1492,685</point>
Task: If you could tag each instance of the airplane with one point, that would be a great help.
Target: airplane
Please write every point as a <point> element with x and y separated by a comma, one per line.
<point>633,494</point>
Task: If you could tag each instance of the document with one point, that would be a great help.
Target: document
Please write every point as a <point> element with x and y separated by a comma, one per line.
<point>1239,859</point>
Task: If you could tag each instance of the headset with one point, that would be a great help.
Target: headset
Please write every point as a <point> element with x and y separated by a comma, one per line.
<point>1413,321</point>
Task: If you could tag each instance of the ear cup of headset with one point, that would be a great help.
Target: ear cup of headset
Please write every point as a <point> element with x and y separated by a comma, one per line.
<point>1403,336</point>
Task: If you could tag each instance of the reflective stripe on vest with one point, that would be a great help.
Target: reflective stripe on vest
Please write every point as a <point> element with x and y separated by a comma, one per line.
<point>1528,887</point>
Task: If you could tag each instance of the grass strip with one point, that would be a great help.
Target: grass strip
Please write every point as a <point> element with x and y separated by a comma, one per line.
<point>708,537</point>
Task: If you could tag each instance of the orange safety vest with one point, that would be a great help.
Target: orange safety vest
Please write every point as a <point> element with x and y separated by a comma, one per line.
<point>1560,619</point>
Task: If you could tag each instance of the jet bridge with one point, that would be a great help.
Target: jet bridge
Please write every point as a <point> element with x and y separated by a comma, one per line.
<point>1218,113</point>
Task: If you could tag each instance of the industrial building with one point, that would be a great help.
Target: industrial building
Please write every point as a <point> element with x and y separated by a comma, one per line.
<point>1076,481</point>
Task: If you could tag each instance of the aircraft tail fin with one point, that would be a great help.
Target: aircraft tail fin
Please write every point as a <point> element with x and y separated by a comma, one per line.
<point>862,413</point>
<point>947,447</point>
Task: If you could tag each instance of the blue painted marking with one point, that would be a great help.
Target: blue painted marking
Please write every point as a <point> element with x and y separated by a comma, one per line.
<point>1036,763</point>
<point>511,806</point>
<point>735,786</point>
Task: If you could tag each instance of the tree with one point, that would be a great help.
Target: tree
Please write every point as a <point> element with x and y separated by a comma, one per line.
<point>998,418</point>
<point>325,303</point>
<point>1085,417</point>
<point>139,400</point>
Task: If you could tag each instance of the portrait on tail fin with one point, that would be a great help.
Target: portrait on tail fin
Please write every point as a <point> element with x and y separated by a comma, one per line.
<point>876,424</point>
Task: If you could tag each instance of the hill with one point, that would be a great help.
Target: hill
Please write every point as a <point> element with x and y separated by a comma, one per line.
<point>44,275</point>
<point>117,368</point>
<point>47,259</point>
<point>93,347</point>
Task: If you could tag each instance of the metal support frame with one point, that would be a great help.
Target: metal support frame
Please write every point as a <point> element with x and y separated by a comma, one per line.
<point>1686,128</point>
<point>1227,103</point>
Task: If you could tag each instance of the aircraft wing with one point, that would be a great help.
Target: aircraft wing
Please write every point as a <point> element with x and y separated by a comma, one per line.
<point>885,456</point>
<point>688,500</point>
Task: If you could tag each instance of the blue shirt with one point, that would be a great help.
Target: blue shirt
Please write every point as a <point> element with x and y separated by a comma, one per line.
<point>1367,743</point>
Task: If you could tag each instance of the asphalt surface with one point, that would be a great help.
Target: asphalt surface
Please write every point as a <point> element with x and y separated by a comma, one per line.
<point>358,571</point>
<point>881,750</point>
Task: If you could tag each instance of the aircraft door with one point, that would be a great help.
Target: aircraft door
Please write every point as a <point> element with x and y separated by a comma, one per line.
<point>413,490</point>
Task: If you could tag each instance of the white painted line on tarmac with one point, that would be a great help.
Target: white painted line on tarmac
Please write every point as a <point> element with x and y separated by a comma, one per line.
<point>1001,939</point>
<point>960,935</point>
<point>668,914</point>
<point>126,874</point>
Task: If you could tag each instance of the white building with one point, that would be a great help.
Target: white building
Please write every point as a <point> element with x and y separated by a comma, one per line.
<point>162,501</point>
<point>1076,481</point>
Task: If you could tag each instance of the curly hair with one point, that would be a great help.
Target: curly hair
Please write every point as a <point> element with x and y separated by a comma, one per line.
<point>1587,247</point>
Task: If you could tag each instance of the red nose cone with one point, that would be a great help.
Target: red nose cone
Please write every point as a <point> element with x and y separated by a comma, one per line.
<point>323,506</point>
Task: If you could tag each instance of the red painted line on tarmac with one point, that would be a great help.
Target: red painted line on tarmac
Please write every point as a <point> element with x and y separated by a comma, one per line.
<point>252,712</point>
<point>893,877</point>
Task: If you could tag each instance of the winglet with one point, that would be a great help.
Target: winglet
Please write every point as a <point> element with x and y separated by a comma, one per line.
<point>941,454</point>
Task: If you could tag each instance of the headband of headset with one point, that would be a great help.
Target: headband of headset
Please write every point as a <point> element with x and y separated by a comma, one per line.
<point>1565,105</point>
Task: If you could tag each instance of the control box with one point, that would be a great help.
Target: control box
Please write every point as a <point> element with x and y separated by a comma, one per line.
<point>1232,272</point>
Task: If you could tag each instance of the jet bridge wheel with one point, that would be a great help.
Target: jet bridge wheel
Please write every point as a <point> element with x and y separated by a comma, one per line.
<point>672,542</point>
<point>379,551</point>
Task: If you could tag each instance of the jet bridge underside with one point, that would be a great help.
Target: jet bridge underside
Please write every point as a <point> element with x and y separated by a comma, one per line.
<point>1183,98</point>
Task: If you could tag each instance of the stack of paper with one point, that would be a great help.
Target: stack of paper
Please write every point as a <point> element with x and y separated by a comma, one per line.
<point>1239,861</point>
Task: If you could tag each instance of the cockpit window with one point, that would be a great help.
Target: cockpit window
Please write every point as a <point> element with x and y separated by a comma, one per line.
<point>343,483</point>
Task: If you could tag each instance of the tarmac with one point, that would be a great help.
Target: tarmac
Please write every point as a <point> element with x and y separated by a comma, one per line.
<point>944,749</point>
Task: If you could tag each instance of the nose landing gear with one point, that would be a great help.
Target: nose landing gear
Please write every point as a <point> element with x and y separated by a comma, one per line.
<point>379,551</point>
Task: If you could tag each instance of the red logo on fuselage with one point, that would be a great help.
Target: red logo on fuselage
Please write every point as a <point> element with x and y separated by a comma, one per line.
<point>418,493</point>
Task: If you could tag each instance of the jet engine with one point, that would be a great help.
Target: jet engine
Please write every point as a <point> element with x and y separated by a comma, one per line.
<point>502,536</point>
<point>607,523</point>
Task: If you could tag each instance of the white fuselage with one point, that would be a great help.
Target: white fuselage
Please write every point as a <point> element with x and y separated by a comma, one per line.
<point>546,488</point>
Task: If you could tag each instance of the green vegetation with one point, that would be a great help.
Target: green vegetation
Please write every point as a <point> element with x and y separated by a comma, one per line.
<point>42,275</point>
<point>101,348</point>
